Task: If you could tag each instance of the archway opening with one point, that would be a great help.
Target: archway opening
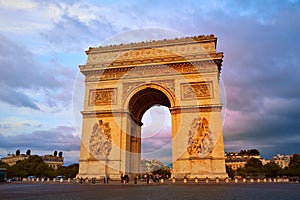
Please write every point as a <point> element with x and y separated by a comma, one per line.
<point>156,140</point>
<point>151,132</point>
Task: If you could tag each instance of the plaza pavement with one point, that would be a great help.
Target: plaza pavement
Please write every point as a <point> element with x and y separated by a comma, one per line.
<point>179,190</point>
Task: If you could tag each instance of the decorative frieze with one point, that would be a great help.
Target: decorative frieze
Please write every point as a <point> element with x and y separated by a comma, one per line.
<point>128,87</point>
<point>148,70</point>
<point>150,51</point>
<point>197,90</point>
<point>169,84</point>
<point>99,97</point>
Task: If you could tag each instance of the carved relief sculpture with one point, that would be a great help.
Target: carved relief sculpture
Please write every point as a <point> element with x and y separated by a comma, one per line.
<point>100,140</point>
<point>128,87</point>
<point>200,90</point>
<point>170,84</point>
<point>200,139</point>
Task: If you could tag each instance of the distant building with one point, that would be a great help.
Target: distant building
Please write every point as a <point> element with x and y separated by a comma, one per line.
<point>148,166</point>
<point>12,159</point>
<point>53,161</point>
<point>282,160</point>
<point>237,160</point>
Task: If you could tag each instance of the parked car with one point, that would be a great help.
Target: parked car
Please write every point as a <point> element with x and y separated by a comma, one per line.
<point>11,180</point>
<point>31,178</point>
<point>59,177</point>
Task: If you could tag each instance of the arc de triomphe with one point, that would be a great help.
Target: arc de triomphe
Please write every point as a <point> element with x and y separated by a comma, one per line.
<point>123,81</point>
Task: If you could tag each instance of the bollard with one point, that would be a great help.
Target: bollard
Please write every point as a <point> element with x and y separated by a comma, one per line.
<point>43,179</point>
<point>217,180</point>
<point>173,180</point>
<point>236,180</point>
<point>206,180</point>
<point>184,180</point>
<point>162,180</point>
<point>48,180</point>
<point>265,180</point>
<point>274,180</point>
<point>61,180</point>
<point>251,180</point>
<point>69,180</point>
<point>244,180</point>
<point>258,180</point>
<point>196,180</point>
<point>54,180</point>
<point>226,180</point>
<point>270,180</point>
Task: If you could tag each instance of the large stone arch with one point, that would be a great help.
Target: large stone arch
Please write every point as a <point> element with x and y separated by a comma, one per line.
<point>123,81</point>
<point>156,93</point>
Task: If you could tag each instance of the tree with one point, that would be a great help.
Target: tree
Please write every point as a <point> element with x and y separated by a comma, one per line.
<point>294,166</point>
<point>18,152</point>
<point>60,154</point>
<point>253,165</point>
<point>253,152</point>
<point>230,172</point>
<point>3,164</point>
<point>272,170</point>
<point>28,152</point>
<point>69,171</point>
<point>55,153</point>
<point>33,166</point>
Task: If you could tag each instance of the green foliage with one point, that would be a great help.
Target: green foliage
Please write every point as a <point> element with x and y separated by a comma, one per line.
<point>230,172</point>
<point>294,166</point>
<point>251,152</point>
<point>3,165</point>
<point>253,165</point>
<point>163,171</point>
<point>70,171</point>
<point>272,170</point>
<point>33,166</point>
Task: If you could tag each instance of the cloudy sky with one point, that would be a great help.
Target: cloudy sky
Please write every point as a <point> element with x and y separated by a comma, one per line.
<point>43,42</point>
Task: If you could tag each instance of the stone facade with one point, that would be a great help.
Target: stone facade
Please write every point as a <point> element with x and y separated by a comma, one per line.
<point>53,161</point>
<point>123,81</point>
<point>282,161</point>
<point>12,159</point>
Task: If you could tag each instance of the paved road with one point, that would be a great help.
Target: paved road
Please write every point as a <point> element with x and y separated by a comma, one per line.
<point>268,191</point>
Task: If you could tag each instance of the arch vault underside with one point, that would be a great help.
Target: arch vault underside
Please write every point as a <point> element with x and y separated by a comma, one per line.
<point>123,81</point>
